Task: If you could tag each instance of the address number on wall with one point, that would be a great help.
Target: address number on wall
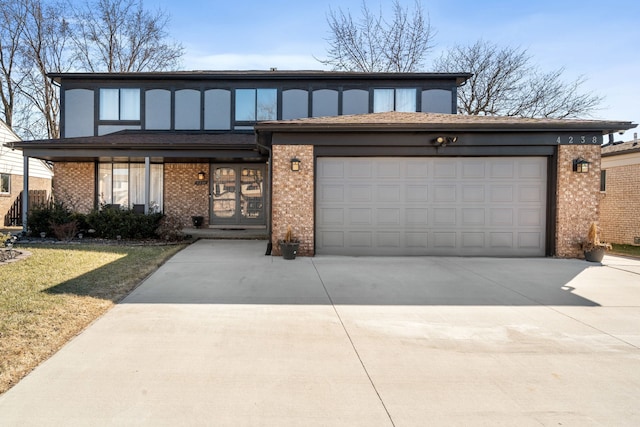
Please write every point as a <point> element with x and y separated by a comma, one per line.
<point>579,140</point>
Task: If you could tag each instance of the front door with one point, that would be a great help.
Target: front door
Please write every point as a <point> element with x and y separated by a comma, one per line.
<point>237,195</point>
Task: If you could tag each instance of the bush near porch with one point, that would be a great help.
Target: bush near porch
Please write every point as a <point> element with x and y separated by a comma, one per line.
<point>56,219</point>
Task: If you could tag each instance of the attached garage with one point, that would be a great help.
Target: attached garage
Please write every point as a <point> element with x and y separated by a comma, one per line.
<point>427,184</point>
<point>484,206</point>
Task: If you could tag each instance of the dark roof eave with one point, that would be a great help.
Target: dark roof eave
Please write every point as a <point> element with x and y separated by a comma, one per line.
<point>257,74</point>
<point>603,127</point>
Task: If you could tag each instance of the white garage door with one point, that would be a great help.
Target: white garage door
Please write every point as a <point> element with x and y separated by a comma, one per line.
<point>491,206</point>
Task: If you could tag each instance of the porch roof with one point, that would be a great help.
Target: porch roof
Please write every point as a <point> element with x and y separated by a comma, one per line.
<point>175,146</point>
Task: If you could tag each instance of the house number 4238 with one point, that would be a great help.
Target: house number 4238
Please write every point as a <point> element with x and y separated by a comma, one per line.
<point>577,140</point>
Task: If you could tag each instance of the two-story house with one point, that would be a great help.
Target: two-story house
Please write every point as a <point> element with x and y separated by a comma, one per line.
<point>355,163</point>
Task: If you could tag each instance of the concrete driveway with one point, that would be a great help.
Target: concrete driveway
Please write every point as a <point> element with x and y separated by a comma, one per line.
<point>222,335</point>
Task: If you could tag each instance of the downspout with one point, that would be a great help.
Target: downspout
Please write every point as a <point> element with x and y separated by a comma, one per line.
<point>269,194</point>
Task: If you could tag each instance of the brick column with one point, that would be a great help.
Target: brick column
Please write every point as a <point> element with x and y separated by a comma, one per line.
<point>577,198</point>
<point>293,197</point>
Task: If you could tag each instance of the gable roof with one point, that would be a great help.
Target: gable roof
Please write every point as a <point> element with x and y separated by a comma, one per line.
<point>12,161</point>
<point>398,121</point>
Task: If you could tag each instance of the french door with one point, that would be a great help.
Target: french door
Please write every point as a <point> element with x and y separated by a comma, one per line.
<point>237,195</point>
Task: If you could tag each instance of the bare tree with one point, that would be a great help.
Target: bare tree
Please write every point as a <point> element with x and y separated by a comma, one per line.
<point>506,83</point>
<point>373,44</point>
<point>12,21</point>
<point>45,39</point>
<point>121,36</point>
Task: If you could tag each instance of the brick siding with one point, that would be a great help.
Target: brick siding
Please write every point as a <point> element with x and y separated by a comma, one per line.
<point>293,197</point>
<point>74,185</point>
<point>620,205</point>
<point>577,198</point>
<point>182,197</point>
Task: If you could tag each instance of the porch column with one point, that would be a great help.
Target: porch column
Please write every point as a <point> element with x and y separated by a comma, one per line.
<point>25,191</point>
<point>147,184</point>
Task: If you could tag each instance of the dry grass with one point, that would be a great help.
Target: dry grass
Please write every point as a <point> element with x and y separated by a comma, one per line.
<point>627,250</point>
<point>48,298</point>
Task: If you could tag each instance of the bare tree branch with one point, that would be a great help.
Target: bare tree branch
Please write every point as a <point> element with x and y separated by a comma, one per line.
<point>12,22</point>
<point>372,44</point>
<point>505,82</point>
<point>121,36</point>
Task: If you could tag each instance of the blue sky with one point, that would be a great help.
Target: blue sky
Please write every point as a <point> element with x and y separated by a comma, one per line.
<point>597,39</point>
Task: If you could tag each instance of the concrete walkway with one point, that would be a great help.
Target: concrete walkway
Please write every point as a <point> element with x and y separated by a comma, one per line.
<point>222,335</point>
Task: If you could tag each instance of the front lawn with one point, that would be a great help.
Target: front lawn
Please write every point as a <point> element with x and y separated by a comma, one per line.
<point>628,250</point>
<point>48,298</point>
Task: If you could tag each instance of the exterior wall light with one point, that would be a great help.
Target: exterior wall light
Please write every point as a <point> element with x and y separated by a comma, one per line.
<point>201,176</point>
<point>295,165</point>
<point>581,166</point>
<point>444,140</point>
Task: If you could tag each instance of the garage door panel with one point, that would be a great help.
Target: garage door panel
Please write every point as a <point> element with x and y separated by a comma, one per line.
<point>501,240</point>
<point>444,239</point>
<point>360,169</point>
<point>473,194</point>
<point>501,217</point>
<point>388,216</point>
<point>417,240</point>
<point>444,170</point>
<point>530,218</point>
<point>473,216</point>
<point>388,193</point>
<point>360,193</point>
<point>444,193</point>
<point>502,193</point>
<point>431,206</point>
<point>329,168</point>
<point>531,170</point>
<point>331,216</point>
<point>361,216</point>
<point>417,169</point>
<point>417,193</point>
<point>473,169</point>
<point>502,170</point>
<point>531,193</point>
<point>388,239</point>
<point>417,217</point>
<point>389,169</point>
<point>331,193</point>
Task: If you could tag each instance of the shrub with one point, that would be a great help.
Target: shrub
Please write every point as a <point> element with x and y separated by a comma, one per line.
<point>109,223</point>
<point>41,217</point>
<point>66,231</point>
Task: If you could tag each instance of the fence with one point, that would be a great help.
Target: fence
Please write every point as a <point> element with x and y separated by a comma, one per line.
<point>14,215</point>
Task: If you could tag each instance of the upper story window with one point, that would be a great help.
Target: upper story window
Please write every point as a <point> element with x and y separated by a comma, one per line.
<point>5,183</point>
<point>254,105</point>
<point>119,104</point>
<point>394,100</point>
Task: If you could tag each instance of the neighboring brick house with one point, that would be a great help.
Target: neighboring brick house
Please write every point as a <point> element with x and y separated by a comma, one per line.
<point>620,192</point>
<point>12,179</point>
<point>355,163</point>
